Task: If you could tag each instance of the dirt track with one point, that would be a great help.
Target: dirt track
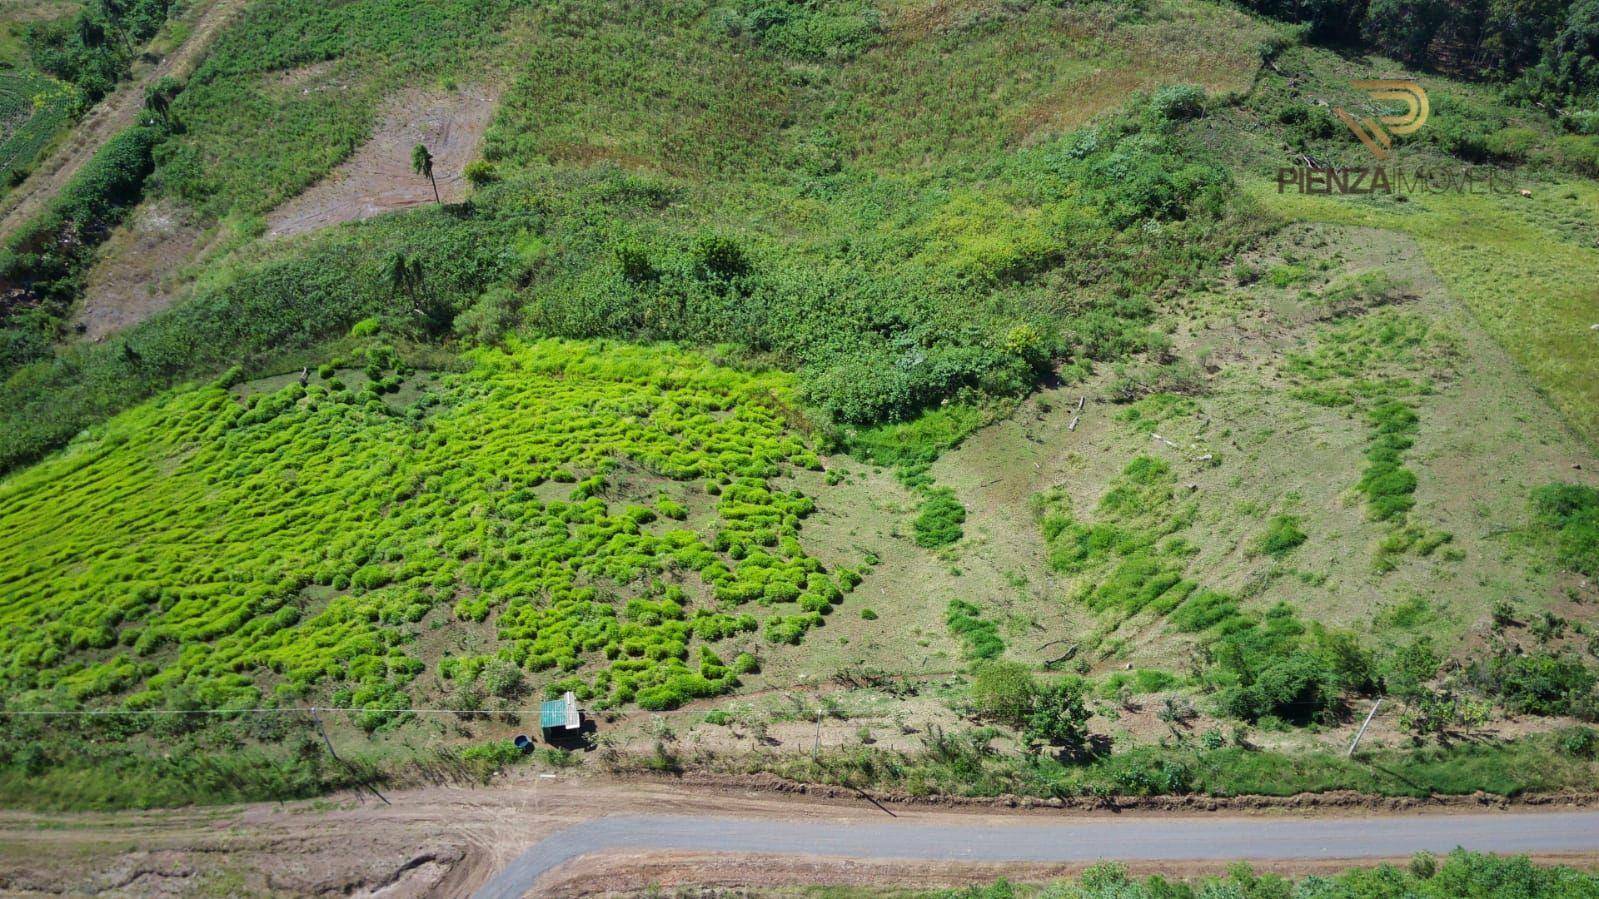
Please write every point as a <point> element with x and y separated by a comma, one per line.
<point>111,115</point>
<point>452,841</point>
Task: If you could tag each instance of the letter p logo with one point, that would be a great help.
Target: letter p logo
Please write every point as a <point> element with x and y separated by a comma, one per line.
<point>1371,131</point>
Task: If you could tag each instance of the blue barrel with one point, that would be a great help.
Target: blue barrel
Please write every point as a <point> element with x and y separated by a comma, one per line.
<point>523,743</point>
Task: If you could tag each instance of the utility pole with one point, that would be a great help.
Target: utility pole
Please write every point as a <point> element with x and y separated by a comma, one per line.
<point>331,751</point>
<point>1362,732</point>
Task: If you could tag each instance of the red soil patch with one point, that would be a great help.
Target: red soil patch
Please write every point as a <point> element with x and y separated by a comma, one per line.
<point>378,178</point>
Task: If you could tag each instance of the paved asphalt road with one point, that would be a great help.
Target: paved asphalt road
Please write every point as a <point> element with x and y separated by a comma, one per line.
<point>1132,839</point>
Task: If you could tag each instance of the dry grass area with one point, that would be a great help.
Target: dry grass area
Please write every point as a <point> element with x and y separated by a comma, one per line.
<point>1214,47</point>
<point>1523,266</point>
<point>136,273</point>
<point>1486,440</point>
<point>379,179</point>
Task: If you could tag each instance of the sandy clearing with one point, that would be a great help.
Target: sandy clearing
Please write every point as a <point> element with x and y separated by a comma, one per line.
<point>132,279</point>
<point>378,178</point>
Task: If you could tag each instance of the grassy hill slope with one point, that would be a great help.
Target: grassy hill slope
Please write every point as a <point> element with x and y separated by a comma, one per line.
<point>792,359</point>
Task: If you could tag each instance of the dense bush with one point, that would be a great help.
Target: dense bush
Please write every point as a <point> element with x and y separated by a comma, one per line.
<point>1059,718</point>
<point>94,49</point>
<point>1298,688</point>
<point>1328,19</point>
<point>1538,683</point>
<point>1569,70</point>
<point>1004,692</point>
<point>1548,48</point>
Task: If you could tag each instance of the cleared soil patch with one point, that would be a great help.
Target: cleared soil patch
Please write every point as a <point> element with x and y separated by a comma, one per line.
<point>133,278</point>
<point>378,178</point>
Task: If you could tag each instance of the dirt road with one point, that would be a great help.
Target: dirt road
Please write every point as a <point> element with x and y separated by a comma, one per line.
<point>111,115</point>
<point>1140,839</point>
<point>575,835</point>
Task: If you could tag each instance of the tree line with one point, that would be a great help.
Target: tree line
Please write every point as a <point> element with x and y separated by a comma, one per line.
<point>1546,51</point>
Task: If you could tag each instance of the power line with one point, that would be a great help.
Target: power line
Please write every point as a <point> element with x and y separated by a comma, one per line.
<point>264,710</point>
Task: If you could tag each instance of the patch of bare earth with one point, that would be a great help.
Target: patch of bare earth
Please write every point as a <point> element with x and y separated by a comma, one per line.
<point>379,178</point>
<point>134,276</point>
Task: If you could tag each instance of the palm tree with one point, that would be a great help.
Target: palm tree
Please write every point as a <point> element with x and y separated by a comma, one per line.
<point>408,276</point>
<point>422,164</point>
<point>397,275</point>
<point>113,11</point>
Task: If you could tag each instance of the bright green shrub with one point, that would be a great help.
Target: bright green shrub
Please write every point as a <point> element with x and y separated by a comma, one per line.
<point>980,636</point>
<point>1282,536</point>
<point>1004,691</point>
<point>940,519</point>
<point>1571,511</point>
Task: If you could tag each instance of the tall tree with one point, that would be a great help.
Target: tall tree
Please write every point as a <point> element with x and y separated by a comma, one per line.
<point>114,11</point>
<point>422,164</point>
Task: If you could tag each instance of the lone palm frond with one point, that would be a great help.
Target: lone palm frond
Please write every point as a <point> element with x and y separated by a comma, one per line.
<point>422,164</point>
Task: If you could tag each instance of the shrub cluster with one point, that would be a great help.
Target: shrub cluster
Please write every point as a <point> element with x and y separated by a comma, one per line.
<point>979,635</point>
<point>44,265</point>
<point>95,48</point>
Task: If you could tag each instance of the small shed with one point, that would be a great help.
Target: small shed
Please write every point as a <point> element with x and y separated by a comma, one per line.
<point>560,715</point>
